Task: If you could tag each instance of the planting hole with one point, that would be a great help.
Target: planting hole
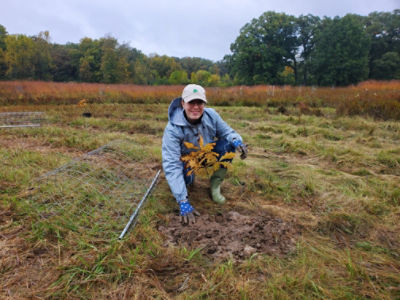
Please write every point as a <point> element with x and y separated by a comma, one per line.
<point>232,235</point>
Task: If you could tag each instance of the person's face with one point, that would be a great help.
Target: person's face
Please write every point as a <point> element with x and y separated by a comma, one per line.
<point>193,109</point>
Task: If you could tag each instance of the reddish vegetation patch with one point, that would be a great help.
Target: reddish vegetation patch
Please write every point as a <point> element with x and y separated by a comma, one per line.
<point>233,235</point>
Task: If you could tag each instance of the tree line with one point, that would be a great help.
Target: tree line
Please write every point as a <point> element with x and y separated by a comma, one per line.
<point>275,48</point>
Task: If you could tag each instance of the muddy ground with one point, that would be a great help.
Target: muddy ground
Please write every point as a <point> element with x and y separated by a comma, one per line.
<point>232,235</point>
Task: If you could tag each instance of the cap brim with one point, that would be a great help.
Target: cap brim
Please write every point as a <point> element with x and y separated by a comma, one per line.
<point>194,97</point>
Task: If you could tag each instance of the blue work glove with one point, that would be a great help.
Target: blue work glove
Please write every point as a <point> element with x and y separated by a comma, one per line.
<point>241,147</point>
<point>187,212</point>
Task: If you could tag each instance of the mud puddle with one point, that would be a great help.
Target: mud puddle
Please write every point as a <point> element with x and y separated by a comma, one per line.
<point>233,235</point>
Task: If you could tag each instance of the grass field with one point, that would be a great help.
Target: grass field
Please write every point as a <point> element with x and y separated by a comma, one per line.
<point>334,179</point>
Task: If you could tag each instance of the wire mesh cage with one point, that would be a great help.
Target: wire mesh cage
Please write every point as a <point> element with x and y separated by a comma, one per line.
<point>21,119</point>
<point>95,193</point>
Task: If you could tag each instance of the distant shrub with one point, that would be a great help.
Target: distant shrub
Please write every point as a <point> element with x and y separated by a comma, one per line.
<point>379,109</point>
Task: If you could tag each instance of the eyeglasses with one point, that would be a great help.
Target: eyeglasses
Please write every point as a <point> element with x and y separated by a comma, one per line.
<point>196,102</point>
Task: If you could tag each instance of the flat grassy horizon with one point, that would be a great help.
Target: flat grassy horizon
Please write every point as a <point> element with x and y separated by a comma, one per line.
<point>335,178</point>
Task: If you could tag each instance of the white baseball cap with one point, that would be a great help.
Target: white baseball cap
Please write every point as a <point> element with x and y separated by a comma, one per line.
<point>193,92</point>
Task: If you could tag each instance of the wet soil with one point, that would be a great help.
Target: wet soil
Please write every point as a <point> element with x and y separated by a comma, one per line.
<point>233,235</point>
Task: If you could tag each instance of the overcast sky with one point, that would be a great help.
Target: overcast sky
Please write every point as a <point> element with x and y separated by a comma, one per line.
<point>175,28</point>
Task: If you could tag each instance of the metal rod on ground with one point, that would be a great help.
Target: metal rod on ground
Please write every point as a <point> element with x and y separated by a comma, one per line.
<point>21,119</point>
<point>132,220</point>
<point>17,126</point>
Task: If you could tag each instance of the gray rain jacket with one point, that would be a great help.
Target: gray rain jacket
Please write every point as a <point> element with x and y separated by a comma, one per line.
<point>179,130</point>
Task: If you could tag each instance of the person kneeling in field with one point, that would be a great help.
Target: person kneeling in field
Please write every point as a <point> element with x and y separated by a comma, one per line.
<point>189,120</point>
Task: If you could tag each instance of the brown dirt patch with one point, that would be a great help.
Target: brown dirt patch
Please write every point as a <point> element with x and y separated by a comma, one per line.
<point>233,235</point>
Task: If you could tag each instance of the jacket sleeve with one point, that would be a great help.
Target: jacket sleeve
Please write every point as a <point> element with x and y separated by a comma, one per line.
<point>224,131</point>
<point>171,161</point>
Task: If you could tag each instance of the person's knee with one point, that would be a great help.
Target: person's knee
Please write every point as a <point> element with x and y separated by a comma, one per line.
<point>189,179</point>
<point>223,146</point>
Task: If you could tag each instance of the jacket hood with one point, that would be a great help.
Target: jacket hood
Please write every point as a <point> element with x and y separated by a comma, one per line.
<point>175,113</point>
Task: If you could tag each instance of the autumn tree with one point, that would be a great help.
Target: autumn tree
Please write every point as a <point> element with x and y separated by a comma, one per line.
<point>201,77</point>
<point>162,67</point>
<point>178,77</point>
<point>194,64</point>
<point>3,35</point>
<point>90,60</point>
<point>42,58</point>
<point>142,72</point>
<point>214,80</point>
<point>114,63</point>
<point>19,56</point>
<point>127,59</point>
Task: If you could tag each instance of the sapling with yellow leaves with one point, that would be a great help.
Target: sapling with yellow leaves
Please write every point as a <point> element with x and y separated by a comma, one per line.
<point>203,161</point>
<point>82,103</point>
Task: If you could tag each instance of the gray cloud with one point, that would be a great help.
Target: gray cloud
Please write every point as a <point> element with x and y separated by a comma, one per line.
<point>175,28</point>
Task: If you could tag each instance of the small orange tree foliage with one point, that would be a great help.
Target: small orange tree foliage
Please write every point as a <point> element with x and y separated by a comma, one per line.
<point>204,162</point>
<point>82,103</point>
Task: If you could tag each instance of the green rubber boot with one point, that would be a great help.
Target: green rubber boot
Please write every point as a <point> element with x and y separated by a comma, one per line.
<point>215,185</point>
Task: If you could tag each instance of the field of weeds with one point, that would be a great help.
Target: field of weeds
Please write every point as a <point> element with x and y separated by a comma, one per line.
<point>312,213</point>
<point>376,99</point>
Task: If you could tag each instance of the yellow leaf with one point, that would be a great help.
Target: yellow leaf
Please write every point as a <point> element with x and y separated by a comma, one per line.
<point>200,155</point>
<point>185,158</point>
<point>208,147</point>
<point>193,154</point>
<point>228,155</point>
<point>211,159</point>
<point>190,145</point>
<point>211,155</point>
<point>201,141</point>
<point>192,164</point>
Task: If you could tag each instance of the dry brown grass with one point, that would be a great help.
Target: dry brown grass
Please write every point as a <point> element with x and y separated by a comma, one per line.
<point>334,178</point>
<point>379,99</point>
